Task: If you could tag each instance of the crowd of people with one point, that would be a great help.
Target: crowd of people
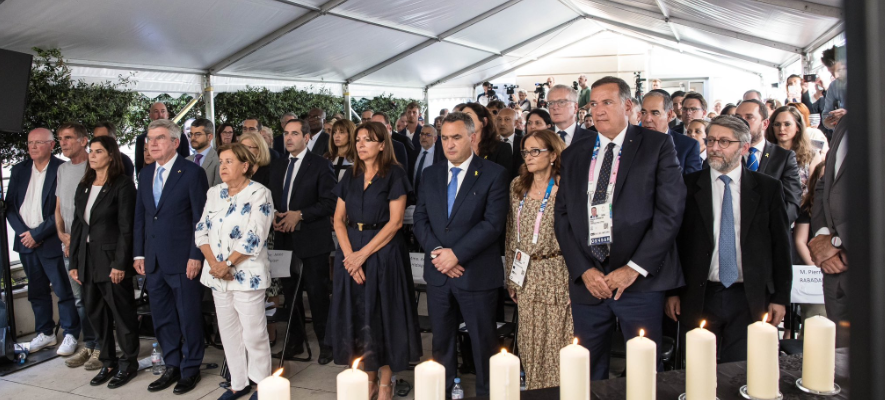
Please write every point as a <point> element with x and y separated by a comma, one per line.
<point>608,210</point>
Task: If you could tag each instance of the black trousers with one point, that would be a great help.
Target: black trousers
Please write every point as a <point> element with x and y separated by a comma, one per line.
<point>728,314</point>
<point>317,283</point>
<point>110,305</point>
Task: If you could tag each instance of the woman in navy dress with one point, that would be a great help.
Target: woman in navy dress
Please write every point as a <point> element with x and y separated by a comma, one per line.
<point>373,313</point>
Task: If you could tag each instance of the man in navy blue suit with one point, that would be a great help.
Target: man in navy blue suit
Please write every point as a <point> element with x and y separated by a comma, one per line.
<point>621,262</point>
<point>461,213</point>
<point>31,207</point>
<point>657,109</point>
<point>169,204</point>
<point>562,101</point>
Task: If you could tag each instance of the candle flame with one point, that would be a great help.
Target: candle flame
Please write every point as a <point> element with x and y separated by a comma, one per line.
<point>575,341</point>
<point>503,350</point>
<point>765,318</point>
<point>278,373</point>
<point>356,363</point>
<point>704,322</point>
<point>642,333</point>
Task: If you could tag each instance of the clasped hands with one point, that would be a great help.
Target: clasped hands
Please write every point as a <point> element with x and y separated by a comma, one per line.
<point>218,269</point>
<point>605,286</point>
<point>826,257</point>
<point>28,241</point>
<point>445,261</point>
<point>286,221</point>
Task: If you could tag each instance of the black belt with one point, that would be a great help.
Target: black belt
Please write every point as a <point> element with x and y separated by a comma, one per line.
<point>365,227</point>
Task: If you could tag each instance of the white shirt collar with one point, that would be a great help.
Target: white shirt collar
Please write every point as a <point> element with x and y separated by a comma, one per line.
<point>570,131</point>
<point>168,164</point>
<point>760,147</point>
<point>618,140</point>
<point>734,174</point>
<point>300,155</point>
<point>205,151</point>
<point>464,165</point>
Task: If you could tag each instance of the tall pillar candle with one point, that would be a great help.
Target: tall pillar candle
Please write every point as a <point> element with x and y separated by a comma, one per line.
<point>642,362</point>
<point>700,364</point>
<point>274,387</point>
<point>504,376</point>
<point>819,354</point>
<point>353,384</point>
<point>574,372</point>
<point>763,370</point>
<point>430,381</point>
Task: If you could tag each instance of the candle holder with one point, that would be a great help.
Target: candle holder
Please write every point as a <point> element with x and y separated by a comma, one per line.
<point>682,397</point>
<point>836,389</point>
<point>745,394</point>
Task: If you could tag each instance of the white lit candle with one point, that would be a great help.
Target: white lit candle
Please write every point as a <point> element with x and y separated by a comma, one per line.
<point>642,362</point>
<point>700,364</point>
<point>430,381</point>
<point>504,376</point>
<point>763,370</point>
<point>353,384</point>
<point>819,354</point>
<point>274,387</point>
<point>574,372</point>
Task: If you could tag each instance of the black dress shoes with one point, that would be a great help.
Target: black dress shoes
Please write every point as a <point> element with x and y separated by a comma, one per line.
<point>121,378</point>
<point>186,384</point>
<point>170,377</point>
<point>325,356</point>
<point>104,374</point>
<point>290,354</point>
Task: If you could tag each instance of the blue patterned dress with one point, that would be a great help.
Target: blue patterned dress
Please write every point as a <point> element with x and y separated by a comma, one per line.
<point>237,223</point>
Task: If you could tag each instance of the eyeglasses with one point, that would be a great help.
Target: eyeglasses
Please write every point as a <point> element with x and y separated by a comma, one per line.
<point>533,152</point>
<point>723,143</point>
<point>315,117</point>
<point>195,134</point>
<point>559,103</point>
<point>39,142</point>
<point>691,110</point>
<point>427,135</point>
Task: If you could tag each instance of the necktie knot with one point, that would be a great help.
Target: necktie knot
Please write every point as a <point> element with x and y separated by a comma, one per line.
<point>455,172</point>
<point>160,171</point>
<point>725,178</point>
<point>198,158</point>
<point>562,134</point>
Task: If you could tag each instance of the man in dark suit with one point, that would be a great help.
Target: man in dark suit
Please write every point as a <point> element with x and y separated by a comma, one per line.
<point>621,264</point>
<point>169,204</point>
<point>400,151</point>
<point>657,109</point>
<point>427,155</point>
<point>769,158</point>
<point>694,106</point>
<point>563,103</point>
<point>734,245</point>
<point>677,97</point>
<point>302,184</point>
<point>319,139</point>
<point>31,214</point>
<point>279,143</point>
<point>158,111</point>
<point>829,222</point>
<point>461,213</point>
<point>505,122</point>
<point>413,127</point>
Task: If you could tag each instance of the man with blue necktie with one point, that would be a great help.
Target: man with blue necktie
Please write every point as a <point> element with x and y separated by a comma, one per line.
<point>769,158</point>
<point>460,215</point>
<point>167,208</point>
<point>734,245</point>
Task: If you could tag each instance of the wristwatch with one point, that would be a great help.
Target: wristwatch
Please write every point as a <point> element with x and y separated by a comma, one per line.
<point>229,264</point>
<point>836,241</point>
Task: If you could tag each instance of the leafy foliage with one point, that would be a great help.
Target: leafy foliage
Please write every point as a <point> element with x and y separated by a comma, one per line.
<point>55,97</point>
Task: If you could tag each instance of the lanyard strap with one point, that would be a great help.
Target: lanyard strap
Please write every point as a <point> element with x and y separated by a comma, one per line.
<point>537,231</point>
<point>614,177</point>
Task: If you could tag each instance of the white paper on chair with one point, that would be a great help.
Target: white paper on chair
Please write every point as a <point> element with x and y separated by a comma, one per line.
<point>280,261</point>
<point>808,285</point>
<point>417,264</point>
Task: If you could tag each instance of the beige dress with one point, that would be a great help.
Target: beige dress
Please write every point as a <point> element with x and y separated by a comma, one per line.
<point>545,315</point>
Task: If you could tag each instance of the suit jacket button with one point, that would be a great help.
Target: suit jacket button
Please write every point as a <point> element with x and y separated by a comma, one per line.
<point>447,229</point>
<point>155,218</point>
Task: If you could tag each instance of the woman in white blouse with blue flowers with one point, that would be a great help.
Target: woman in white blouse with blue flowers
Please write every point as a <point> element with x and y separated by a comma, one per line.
<point>232,234</point>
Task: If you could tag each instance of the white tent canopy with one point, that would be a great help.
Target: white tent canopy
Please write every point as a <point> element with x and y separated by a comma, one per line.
<point>408,46</point>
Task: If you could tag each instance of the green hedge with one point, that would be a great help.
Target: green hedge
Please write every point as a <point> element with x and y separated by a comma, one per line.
<point>54,97</point>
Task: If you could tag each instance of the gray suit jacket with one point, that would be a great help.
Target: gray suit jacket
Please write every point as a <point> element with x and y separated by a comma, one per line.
<point>830,196</point>
<point>210,165</point>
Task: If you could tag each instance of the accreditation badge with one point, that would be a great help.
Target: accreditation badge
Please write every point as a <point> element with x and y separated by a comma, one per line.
<point>520,266</point>
<point>601,224</point>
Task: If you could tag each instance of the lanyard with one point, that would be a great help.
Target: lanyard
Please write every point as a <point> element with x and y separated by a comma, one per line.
<point>537,230</point>
<point>611,182</point>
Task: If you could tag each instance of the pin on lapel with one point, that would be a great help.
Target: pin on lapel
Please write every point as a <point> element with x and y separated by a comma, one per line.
<point>475,173</point>
<point>766,155</point>
<point>179,171</point>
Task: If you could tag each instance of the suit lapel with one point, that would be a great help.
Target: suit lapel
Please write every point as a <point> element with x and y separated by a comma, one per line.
<point>102,194</point>
<point>299,176</point>
<point>473,171</point>
<point>765,157</point>
<point>704,199</point>
<point>48,181</point>
<point>581,174</point>
<point>833,151</point>
<point>174,177</point>
<point>628,152</point>
<point>749,202</point>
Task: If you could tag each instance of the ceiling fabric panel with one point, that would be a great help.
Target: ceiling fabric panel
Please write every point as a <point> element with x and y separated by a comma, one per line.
<point>495,32</point>
<point>427,65</point>
<point>735,45</point>
<point>433,17</point>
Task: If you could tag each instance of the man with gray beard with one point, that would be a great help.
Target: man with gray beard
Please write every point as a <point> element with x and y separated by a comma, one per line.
<point>734,244</point>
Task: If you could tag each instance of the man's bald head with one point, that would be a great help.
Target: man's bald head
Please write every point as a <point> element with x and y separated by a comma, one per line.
<point>159,111</point>
<point>505,122</point>
<point>41,134</point>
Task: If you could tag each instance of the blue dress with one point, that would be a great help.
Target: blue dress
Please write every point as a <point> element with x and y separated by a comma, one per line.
<point>377,320</point>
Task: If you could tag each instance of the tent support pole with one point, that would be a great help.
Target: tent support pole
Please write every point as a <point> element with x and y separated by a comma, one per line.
<point>345,88</point>
<point>209,98</point>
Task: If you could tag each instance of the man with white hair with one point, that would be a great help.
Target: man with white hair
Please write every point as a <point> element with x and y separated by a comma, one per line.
<point>562,101</point>
<point>31,214</point>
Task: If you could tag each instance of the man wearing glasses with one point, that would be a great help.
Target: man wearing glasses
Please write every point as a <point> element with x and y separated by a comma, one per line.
<point>201,139</point>
<point>693,107</point>
<point>31,213</point>
<point>562,101</point>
